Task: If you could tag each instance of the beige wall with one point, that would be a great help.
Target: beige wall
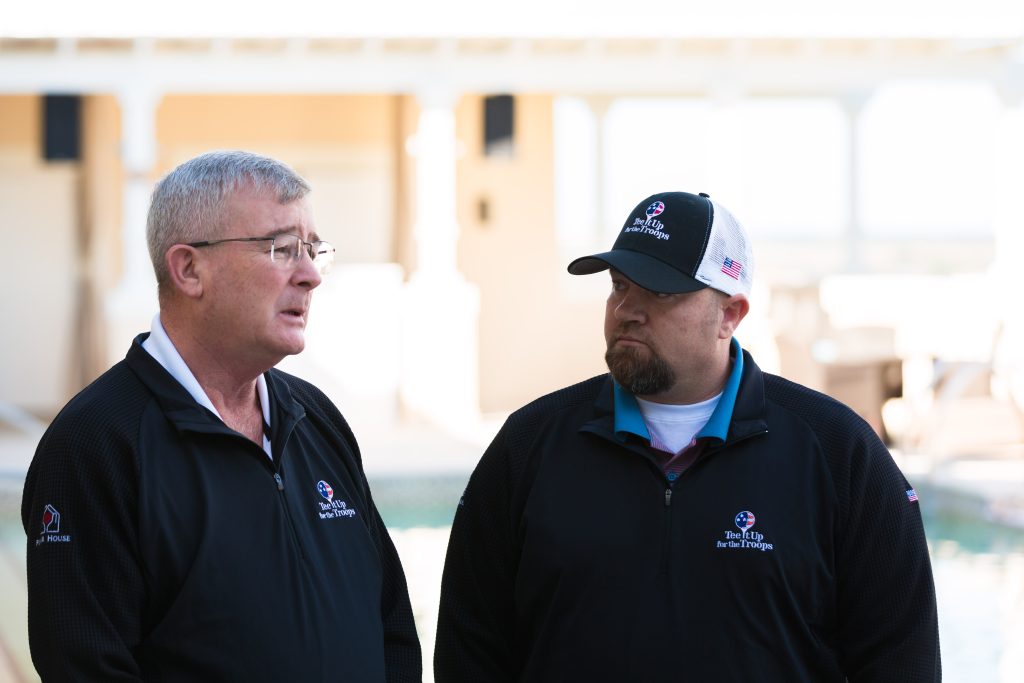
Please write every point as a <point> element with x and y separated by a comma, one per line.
<point>406,121</point>
<point>38,222</point>
<point>228,121</point>
<point>101,255</point>
<point>533,338</point>
<point>20,115</point>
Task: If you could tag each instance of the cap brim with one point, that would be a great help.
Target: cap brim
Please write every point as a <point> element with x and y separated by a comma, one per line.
<point>644,270</point>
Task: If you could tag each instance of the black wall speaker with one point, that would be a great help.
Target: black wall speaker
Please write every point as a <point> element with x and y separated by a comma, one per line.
<point>61,127</point>
<point>499,124</point>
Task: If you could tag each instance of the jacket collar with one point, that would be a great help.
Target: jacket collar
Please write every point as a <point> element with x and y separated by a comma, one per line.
<point>749,413</point>
<point>740,412</point>
<point>628,417</point>
<point>186,414</point>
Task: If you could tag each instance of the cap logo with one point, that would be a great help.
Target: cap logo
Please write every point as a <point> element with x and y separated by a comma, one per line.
<point>652,226</point>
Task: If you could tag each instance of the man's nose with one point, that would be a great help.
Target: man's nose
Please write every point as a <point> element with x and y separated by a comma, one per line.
<point>306,273</point>
<point>630,308</point>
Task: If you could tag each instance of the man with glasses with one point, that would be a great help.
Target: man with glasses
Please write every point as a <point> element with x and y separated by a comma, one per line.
<point>196,514</point>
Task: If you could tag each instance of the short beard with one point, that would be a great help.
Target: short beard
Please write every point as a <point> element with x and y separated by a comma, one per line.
<point>637,375</point>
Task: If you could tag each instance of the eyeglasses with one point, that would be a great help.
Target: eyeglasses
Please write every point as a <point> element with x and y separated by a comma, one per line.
<point>286,250</point>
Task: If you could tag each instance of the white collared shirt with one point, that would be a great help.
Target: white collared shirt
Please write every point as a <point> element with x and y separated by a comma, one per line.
<point>162,349</point>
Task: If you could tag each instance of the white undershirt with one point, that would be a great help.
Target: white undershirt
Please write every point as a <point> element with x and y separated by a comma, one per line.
<point>675,426</point>
<point>160,346</point>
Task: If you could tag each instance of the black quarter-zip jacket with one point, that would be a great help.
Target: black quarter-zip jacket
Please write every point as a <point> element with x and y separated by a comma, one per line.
<point>164,546</point>
<point>789,552</point>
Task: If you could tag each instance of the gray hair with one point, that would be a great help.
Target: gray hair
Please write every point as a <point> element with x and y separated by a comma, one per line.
<point>188,202</point>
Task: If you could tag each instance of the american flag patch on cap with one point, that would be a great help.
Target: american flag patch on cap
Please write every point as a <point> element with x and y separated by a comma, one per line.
<point>732,268</point>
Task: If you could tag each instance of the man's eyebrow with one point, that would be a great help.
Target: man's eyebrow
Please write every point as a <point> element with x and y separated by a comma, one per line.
<point>292,230</point>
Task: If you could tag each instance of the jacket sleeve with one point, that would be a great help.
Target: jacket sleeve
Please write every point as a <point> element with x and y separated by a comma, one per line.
<point>85,586</point>
<point>403,660</point>
<point>476,623</point>
<point>888,624</point>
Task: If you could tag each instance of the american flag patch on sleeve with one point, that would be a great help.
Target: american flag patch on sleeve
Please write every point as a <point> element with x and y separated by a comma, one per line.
<point>912,495</point>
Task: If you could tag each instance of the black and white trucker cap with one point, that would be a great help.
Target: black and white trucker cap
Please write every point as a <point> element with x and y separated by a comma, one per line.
<point>677,242</point>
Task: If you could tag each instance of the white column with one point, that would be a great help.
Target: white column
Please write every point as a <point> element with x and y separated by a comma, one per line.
<point>435,228</point>
<point>604,232</point>
<point>440,376</point>
<point>725,153</point>
<point>1008,212</point>
<point>1008,217</point>
<point>131,305</point>
<point>852,105</point>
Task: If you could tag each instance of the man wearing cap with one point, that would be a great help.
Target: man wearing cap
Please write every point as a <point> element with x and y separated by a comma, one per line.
<point>687,516</point>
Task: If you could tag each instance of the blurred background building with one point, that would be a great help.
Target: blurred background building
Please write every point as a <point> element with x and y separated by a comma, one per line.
<point>458,163</point>
<point>460,155</point>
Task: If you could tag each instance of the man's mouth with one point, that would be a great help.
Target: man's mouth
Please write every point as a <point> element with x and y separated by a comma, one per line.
<point>628,340</point>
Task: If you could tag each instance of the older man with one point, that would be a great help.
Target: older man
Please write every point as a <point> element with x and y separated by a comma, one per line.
<point>689,517</point>
<point>195,514</point>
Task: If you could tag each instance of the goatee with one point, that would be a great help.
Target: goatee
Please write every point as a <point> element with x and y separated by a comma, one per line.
<point>638,374</point>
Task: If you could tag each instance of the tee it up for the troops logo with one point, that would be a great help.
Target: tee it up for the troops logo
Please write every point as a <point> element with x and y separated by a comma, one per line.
<point>745,520</point>
<point>332,508</point>
<point>650,225</point>
<point>745,538</point>
<point>654,210</point>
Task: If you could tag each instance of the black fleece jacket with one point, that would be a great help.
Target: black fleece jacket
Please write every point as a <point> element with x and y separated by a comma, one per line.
<point>790,552</point>
<point>164,546</point>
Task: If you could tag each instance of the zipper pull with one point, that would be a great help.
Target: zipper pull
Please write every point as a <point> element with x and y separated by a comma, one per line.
<point>280,482</point>
<point>668,497</point>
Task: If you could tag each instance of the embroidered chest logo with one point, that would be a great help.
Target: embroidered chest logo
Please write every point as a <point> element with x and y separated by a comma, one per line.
<point>332,508</point>
<point>745,538</point>
<point>51,528</point>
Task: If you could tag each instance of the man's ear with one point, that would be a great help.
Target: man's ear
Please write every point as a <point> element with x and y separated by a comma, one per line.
<point>185,270</point>
<point>734,310</point>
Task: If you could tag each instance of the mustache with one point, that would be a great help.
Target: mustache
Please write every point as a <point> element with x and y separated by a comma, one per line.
<point>630,332</point>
